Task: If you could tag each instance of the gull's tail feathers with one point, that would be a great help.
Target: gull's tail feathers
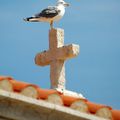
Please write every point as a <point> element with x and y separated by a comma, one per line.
<point>31,19</point>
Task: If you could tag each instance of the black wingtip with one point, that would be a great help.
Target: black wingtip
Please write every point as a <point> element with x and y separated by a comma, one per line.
<point>25,19</point>
<point>30,19</point>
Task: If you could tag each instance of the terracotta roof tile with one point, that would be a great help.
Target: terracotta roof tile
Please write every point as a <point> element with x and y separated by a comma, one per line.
<point>47,94</point>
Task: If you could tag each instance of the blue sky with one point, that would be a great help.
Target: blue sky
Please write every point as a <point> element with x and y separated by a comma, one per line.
<point>93,24</point>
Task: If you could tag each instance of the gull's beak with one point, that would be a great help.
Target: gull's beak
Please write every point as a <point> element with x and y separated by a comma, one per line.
<point>66,4</point>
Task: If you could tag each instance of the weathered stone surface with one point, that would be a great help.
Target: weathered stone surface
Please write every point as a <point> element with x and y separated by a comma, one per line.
<point>56,38</point>
<point>18,107</point>
<point>6,85</point>
<point>57,74</point>
<point>80,105</point>
<point>56,56</point>
<point>55,99</point>
<point>105,112</point>
<point>4,118</point>
<point>62,53</point>
<point>30,91</point>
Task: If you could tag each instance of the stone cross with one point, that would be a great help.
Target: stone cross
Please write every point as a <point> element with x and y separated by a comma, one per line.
<point>56,56</point>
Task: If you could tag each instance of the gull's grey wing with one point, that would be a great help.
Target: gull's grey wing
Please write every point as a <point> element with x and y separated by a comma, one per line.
<point>48,12</point>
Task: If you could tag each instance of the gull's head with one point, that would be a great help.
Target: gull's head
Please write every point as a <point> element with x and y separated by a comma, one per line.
<point>61,2</point>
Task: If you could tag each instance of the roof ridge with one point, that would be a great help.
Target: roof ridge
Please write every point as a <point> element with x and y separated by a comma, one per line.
<point>36,92</point>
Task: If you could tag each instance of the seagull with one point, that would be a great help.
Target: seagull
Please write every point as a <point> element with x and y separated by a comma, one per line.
<point>50,14</point>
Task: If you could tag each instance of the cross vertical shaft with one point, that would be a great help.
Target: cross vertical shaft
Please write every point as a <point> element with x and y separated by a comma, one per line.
<point>57,69</point>
<point>56,56</point>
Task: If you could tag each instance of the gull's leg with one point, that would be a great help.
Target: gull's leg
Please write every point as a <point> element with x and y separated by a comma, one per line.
<point>51,24</point>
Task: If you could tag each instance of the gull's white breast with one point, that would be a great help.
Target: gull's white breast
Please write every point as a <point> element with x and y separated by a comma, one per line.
<point>61,14</point>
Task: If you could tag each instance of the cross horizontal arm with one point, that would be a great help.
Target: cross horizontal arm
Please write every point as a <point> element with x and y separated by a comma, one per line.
<point>61,53</point>
<point>43,58</point>
<point>67,52</point>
